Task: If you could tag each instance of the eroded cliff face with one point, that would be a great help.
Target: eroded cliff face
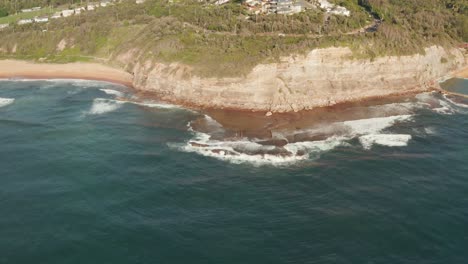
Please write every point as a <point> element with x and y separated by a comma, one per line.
<point>323,77</point>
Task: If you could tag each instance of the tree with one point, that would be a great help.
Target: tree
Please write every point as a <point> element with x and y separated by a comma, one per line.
<point>3,12</point>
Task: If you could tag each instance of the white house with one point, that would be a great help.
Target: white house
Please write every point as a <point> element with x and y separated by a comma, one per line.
<point>25,21</point>
<point>105,3</point>
<point>67,13</point>
<point>2,26</point>
<point>221,2</point>
<point>78,10</point>
<point>41,19</point>
<point>333,9</point>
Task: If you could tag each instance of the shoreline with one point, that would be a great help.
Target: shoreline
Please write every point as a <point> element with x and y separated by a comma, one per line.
<point>11,69</point>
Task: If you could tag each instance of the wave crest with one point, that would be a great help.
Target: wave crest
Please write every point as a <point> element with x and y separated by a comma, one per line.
<point>289,149</point>
<point>6,101</point>
<point>112,92</point>
<point>101,106</point>
<point>389,140</point>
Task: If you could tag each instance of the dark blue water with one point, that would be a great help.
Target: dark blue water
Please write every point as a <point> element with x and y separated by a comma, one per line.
<point>86,178</point>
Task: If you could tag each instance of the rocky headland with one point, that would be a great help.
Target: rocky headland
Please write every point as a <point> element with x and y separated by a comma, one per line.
<point>323,77</point>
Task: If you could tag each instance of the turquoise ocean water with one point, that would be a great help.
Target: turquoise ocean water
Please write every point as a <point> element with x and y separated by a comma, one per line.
<point>89,177</point>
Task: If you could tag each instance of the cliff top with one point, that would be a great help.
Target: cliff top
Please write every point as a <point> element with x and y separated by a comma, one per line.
<point>229,39</point>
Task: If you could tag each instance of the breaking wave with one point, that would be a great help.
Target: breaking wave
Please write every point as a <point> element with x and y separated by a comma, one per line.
<point>246,151</point>
<point>445,108</point>
<point>157,105</point>
<point>374,125</point>
<point>283,150</point>
<point>441,104</point>
<point>6,101</point>
<point>388,140</point>
<point>455,103</point>
<point>101,106</point>
<point>112,92</point>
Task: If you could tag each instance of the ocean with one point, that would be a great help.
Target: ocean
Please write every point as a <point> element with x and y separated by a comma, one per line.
<point>91,173</point>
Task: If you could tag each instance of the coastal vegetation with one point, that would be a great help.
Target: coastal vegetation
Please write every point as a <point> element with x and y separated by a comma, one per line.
<point>225,41</point>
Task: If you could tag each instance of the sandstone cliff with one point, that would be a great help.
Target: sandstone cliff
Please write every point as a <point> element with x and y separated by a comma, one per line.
<point>321,78</point>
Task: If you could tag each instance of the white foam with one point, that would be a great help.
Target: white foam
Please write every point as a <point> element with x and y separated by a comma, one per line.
<point>156,105</point>
<point>245,151</point>
<point>445,108</point>
<point>212,124</point>
<point>112,92</point>
<point>455,103</point>
<point>150,104</point>
<point>374,125</point>
<point>316,146</point>
<point>430,130</point>
<point>389,140</point>
<point>101,106</point>
<point>6,101</point>
<point>226,152</point>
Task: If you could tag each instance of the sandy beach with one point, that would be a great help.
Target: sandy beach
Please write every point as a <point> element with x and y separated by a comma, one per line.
<point>463,73</point>
<point>87,71</point>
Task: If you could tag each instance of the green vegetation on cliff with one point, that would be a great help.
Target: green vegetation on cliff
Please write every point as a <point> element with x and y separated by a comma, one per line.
<point>220,41</point>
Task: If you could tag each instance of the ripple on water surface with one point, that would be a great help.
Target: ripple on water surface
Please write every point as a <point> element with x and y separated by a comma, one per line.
<point>142,181</point>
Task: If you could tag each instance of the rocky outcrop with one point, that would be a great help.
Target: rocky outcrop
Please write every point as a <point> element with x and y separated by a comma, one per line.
<point>321,78</point>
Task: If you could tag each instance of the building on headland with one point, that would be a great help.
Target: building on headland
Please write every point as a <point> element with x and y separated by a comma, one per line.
<point>288,7</point>
<point>25,21</point>
<point>332,8</point>
<point>41,19</point>
<point>284,7</point>
<point>105,3</point>
<point>221,2</point>
<point>140,1</point>
<point>91,7</point>
<point>79,10</point>
<point>281,7</point>
<point>68,12</point>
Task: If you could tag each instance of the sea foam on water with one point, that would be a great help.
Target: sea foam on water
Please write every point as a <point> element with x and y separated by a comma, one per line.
<point>6,101</point>
<point>112,92</point>
<point>101,106</point>
<point>250,150</point>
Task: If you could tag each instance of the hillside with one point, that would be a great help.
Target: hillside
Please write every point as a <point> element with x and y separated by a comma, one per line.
<point>227,40</point>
